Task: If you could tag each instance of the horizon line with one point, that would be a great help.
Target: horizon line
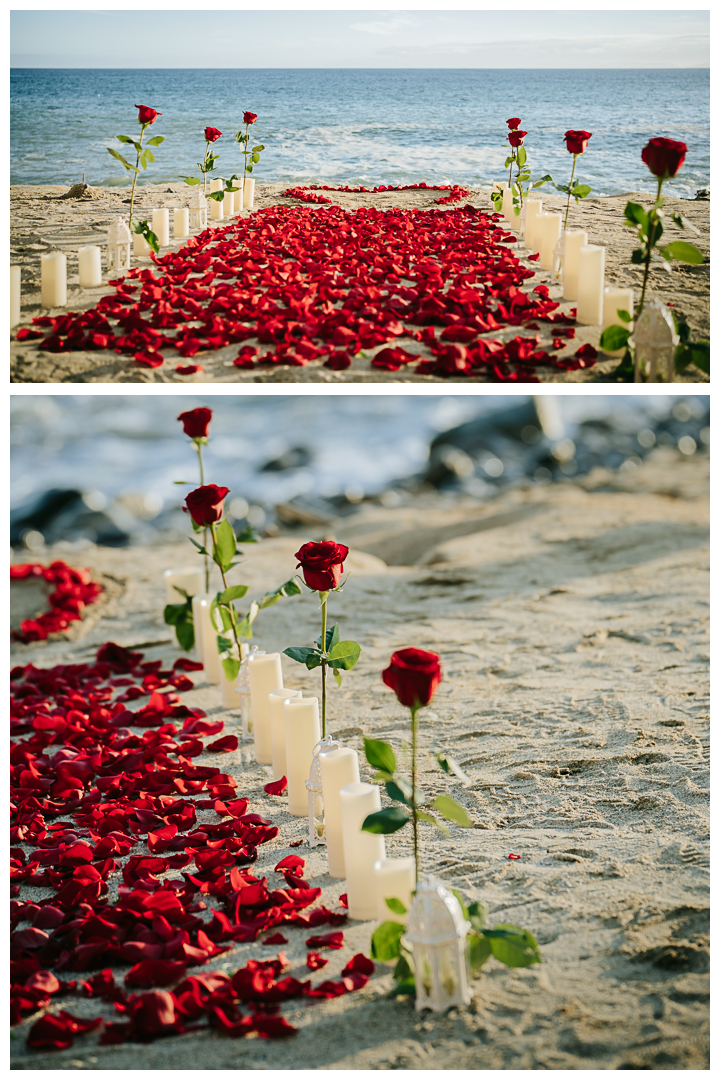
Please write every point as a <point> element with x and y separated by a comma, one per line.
<point>455,67</point>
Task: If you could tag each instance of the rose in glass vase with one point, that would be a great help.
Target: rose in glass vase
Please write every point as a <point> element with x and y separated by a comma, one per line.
<point>146,117</point>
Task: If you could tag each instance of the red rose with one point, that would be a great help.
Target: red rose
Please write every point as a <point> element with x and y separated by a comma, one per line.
<point>414,675</point>
<point>664,157</point>
<point>196,423</point>
<point>205,504</point>
<point>577,141</point>
<point>249,117</point>
<point>147,115</point>
<point>514,124</point>
<point>322,564</point>
<point>515,138</point>
<point>212,134</point>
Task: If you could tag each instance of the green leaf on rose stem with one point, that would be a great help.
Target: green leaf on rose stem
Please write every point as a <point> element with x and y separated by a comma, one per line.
<point>658,231</point>
<point>385,942</point>
<point>249,169</point>
<point>225,616</point>
<point>452,811</point>
<point>156,141</point>
<point>382,776</point>
<point>385,821</point>
<point>635,213</point>
<point>143,162</point>
<point>513,946</point>
<point>624,315</point>
<point>225,546</point>
<point>172,612</point>
<point>478,950</point>
<point>345,655</point>
<point>152,239</point>
<point>192,180</point>
<point>125,139</point>
<point>562,187</point>
<point>338,676</point>
<point>257,149</point>
<point>508,162</point>
<point>380,755</point>
<point>255,158</point>
<point>614,338</point>
<point>185,633</point>
<point>231,667</point>
<point>310,657</point>
<point>581,191</point>
<point>119,157</point>
<point>224,644</point>
<point>543,180</point>
<point>233,592</point>
<point>396,906</point>
<point>700,355</point>
<point>684,252</point>
<point>218,196</point>
<point>450,765</point>
<point>477,913</point>
<point>638,256</point>
<point>399,790</point>
<point>422,816</point>
<point>332,637</point>
<point>148,155</point>
<point>244,628</point>
<point>200,548</point>
<point>521,156</point>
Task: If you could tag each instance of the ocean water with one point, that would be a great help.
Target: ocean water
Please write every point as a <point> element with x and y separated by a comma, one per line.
<point>362,126</point>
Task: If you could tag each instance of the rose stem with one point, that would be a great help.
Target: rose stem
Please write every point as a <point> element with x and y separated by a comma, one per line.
<point>207,148</point>
<point>413,727</point>
<point>572,174</point>
<point>135,175</point>
<point>323,608</point>
<point>198,446</point>
<point>651,234</point>
<point>225,585</point>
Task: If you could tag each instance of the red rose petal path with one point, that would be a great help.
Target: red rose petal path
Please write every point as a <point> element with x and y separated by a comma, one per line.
<point>320,285</point>
<point>73,592</point>
<point>94,786</point>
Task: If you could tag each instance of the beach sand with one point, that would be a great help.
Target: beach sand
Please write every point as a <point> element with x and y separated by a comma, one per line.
<point>571,621</point>
<point>42,221</point>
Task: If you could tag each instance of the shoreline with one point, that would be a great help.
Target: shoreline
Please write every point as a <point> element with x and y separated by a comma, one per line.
<point>41,221</point>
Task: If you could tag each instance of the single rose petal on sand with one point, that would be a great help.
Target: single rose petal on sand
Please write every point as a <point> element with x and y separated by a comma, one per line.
<point>277,787</point>
<point>333,940</point>
<point>315,961</point>
<point>189,369</point>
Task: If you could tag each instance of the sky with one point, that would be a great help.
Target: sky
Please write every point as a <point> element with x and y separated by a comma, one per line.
<point>507,38</point>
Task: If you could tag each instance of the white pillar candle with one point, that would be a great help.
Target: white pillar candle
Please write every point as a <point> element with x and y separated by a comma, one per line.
<point>197,628</point>
<point>229,204</point>
<point>189,578</point>
<point>141,248</point>
<point>265,676</point>
<point>338,768</point>
<point>276,711</point>
<point>574,240</point>
<point>616,300</point>
<point>161,225</point>
<point>181,223</point>
<point>394,879</point>
<point>228,687</point>
<point>362,849</point>
<point>217,211</point>
<point>549,238</point>
<point>53,276</point>
<point>208,632</point>
<point>532,207</point>
<point>90,266</point>
<point>248,193</point>
<point>507,204</point>
<point>302,733</point>
<point>591,285</point>
<point>15,295</point>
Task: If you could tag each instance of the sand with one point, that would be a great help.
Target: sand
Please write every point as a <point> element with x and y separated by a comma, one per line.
<point>571,620</point>
<point>41,221</point>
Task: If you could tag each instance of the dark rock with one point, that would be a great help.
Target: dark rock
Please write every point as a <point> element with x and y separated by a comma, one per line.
<point>294,458</point>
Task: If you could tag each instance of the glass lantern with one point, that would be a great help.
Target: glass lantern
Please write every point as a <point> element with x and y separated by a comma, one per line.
<point>119,242</point>
<point>437,931</point>
<point>559,257</point>
<point>316,818</point>
<point>521,220</point>
<point>654,341</point>
<point>198,210</point>
<point>243,689</point>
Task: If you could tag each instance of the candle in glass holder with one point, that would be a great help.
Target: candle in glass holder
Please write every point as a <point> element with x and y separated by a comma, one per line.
<point>361,849</point>
<point>338,768</point>
<point>265,673</point>
<point>208,633</point>
<point>15,295</point>
<point>90,266</point>
<point>302,733</point>
<point>394,879</point>
<point>591,285</point>
<point>248,193</point>
<point>616,300</point>
<point>507,204</point>
<point>181,223</point>
<point>189,578</point>
<point>574,240</point>
<point>161,225</point>
<point>550,235</point>
<point>228,687</point>
<point>276,712</point>
<point>532,207</point>
<point>53,275</point>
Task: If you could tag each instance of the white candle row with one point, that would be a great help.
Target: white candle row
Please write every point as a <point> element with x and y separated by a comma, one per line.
<point>233,201</point>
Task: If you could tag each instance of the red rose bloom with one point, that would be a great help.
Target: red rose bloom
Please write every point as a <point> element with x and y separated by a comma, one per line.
<point>577,141</point>
<point>514,123</point>
<point>515,138</point>
<point>249,117</point>
<point>664,157</point>
<point>212,134</point>
<point>205,504</point>
<point>146,115</point>
<point>414,675</point>
<point>322,564</point>
<point>196,423</point>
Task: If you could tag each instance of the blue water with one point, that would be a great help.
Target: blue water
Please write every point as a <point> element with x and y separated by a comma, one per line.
<point>361,126</point>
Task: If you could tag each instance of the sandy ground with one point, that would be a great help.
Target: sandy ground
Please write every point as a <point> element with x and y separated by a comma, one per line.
<point>571,620</point>
<point>41,221</point>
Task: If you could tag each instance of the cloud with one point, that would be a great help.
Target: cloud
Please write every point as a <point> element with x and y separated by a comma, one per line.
<point>385,28</point>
